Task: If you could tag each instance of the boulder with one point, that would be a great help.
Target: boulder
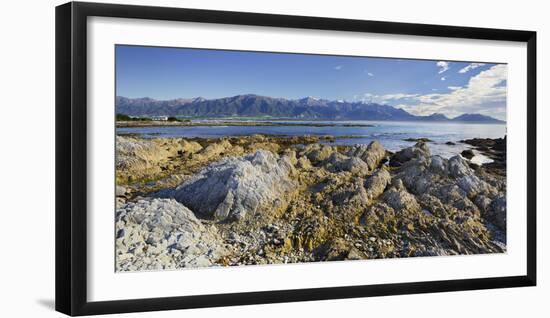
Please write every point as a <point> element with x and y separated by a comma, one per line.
<point>438,165</point>
<point>472,185</point>
<point>453,181</point>
<point>317,152</point>
<point>347,195</point>
<point>372,154</point>
<point>140,159</point>
<point>136,154</point>
<point>376,183</point>
<point>458,167</point>
<point>157,234</point>
<point>234,187</point>
<point>416,175</point>
<point>420,149</point>
<point>338,163</point>
<point>468,153</point>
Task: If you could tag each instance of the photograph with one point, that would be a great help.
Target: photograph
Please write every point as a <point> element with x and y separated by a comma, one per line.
<point>233,158</point>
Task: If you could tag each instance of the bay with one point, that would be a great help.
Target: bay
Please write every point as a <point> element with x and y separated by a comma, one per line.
<point>393,135</point>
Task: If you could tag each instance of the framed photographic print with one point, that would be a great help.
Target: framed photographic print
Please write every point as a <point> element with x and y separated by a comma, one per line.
<point>208,158</point>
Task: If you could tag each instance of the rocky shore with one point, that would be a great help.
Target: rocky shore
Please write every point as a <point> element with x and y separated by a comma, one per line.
<point>267,200</point>
<point>495,149</point>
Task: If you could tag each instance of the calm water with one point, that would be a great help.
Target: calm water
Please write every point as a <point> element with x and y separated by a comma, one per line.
<point>390,134</point>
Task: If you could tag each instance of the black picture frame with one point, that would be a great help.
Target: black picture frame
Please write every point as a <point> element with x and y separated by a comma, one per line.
<point>71,157</point>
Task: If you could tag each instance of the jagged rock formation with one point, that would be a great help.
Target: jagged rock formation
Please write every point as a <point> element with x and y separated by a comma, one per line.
<point>262,200</point>
<point>492,148</point>
<point>235,187</point>
<point>157,234</point>
<point>141,159</point>
<point>372,154</point>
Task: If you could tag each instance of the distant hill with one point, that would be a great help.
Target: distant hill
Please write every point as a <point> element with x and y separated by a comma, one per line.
<point>476,118</point>
<point>262,106</point>
<point>434,117</point>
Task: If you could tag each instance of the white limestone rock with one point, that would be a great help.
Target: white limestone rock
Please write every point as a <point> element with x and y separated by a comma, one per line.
<point>234,187</point>
<point>157,234</point>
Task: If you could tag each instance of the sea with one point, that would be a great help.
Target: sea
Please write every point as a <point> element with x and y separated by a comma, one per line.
<point>392,135</point>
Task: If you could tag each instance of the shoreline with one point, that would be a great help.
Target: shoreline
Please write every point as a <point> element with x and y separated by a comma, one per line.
<point>214,123</point>
<point>481,156</point>
<point>495,149</point>
<point>277,143</point>
<point>272,200</point>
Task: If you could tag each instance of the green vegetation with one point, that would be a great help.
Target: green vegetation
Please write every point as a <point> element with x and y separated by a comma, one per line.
<point>124,117</point>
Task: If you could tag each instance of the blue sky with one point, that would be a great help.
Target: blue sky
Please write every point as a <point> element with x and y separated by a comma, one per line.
<point>418,86</point>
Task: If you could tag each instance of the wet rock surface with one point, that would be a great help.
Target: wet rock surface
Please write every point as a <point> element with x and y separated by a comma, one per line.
<point>495,149</point>
<point>269,200</point>
<point>468,153</point>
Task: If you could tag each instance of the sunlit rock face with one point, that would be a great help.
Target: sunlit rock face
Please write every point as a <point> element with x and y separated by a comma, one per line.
<point>234,187</point>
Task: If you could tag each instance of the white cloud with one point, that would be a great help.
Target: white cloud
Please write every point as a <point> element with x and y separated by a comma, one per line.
<point>396,96</point>
<point>454,88</point>
<point>368,97</point>
<point>471,66</point>
<point>338,67</point>
<point>370,74</point>
<point>443,66</point>
<point>443,78</point>
<point>484,94</point>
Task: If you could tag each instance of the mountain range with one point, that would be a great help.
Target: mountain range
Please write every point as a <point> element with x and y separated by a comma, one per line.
<point>261,106</point>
